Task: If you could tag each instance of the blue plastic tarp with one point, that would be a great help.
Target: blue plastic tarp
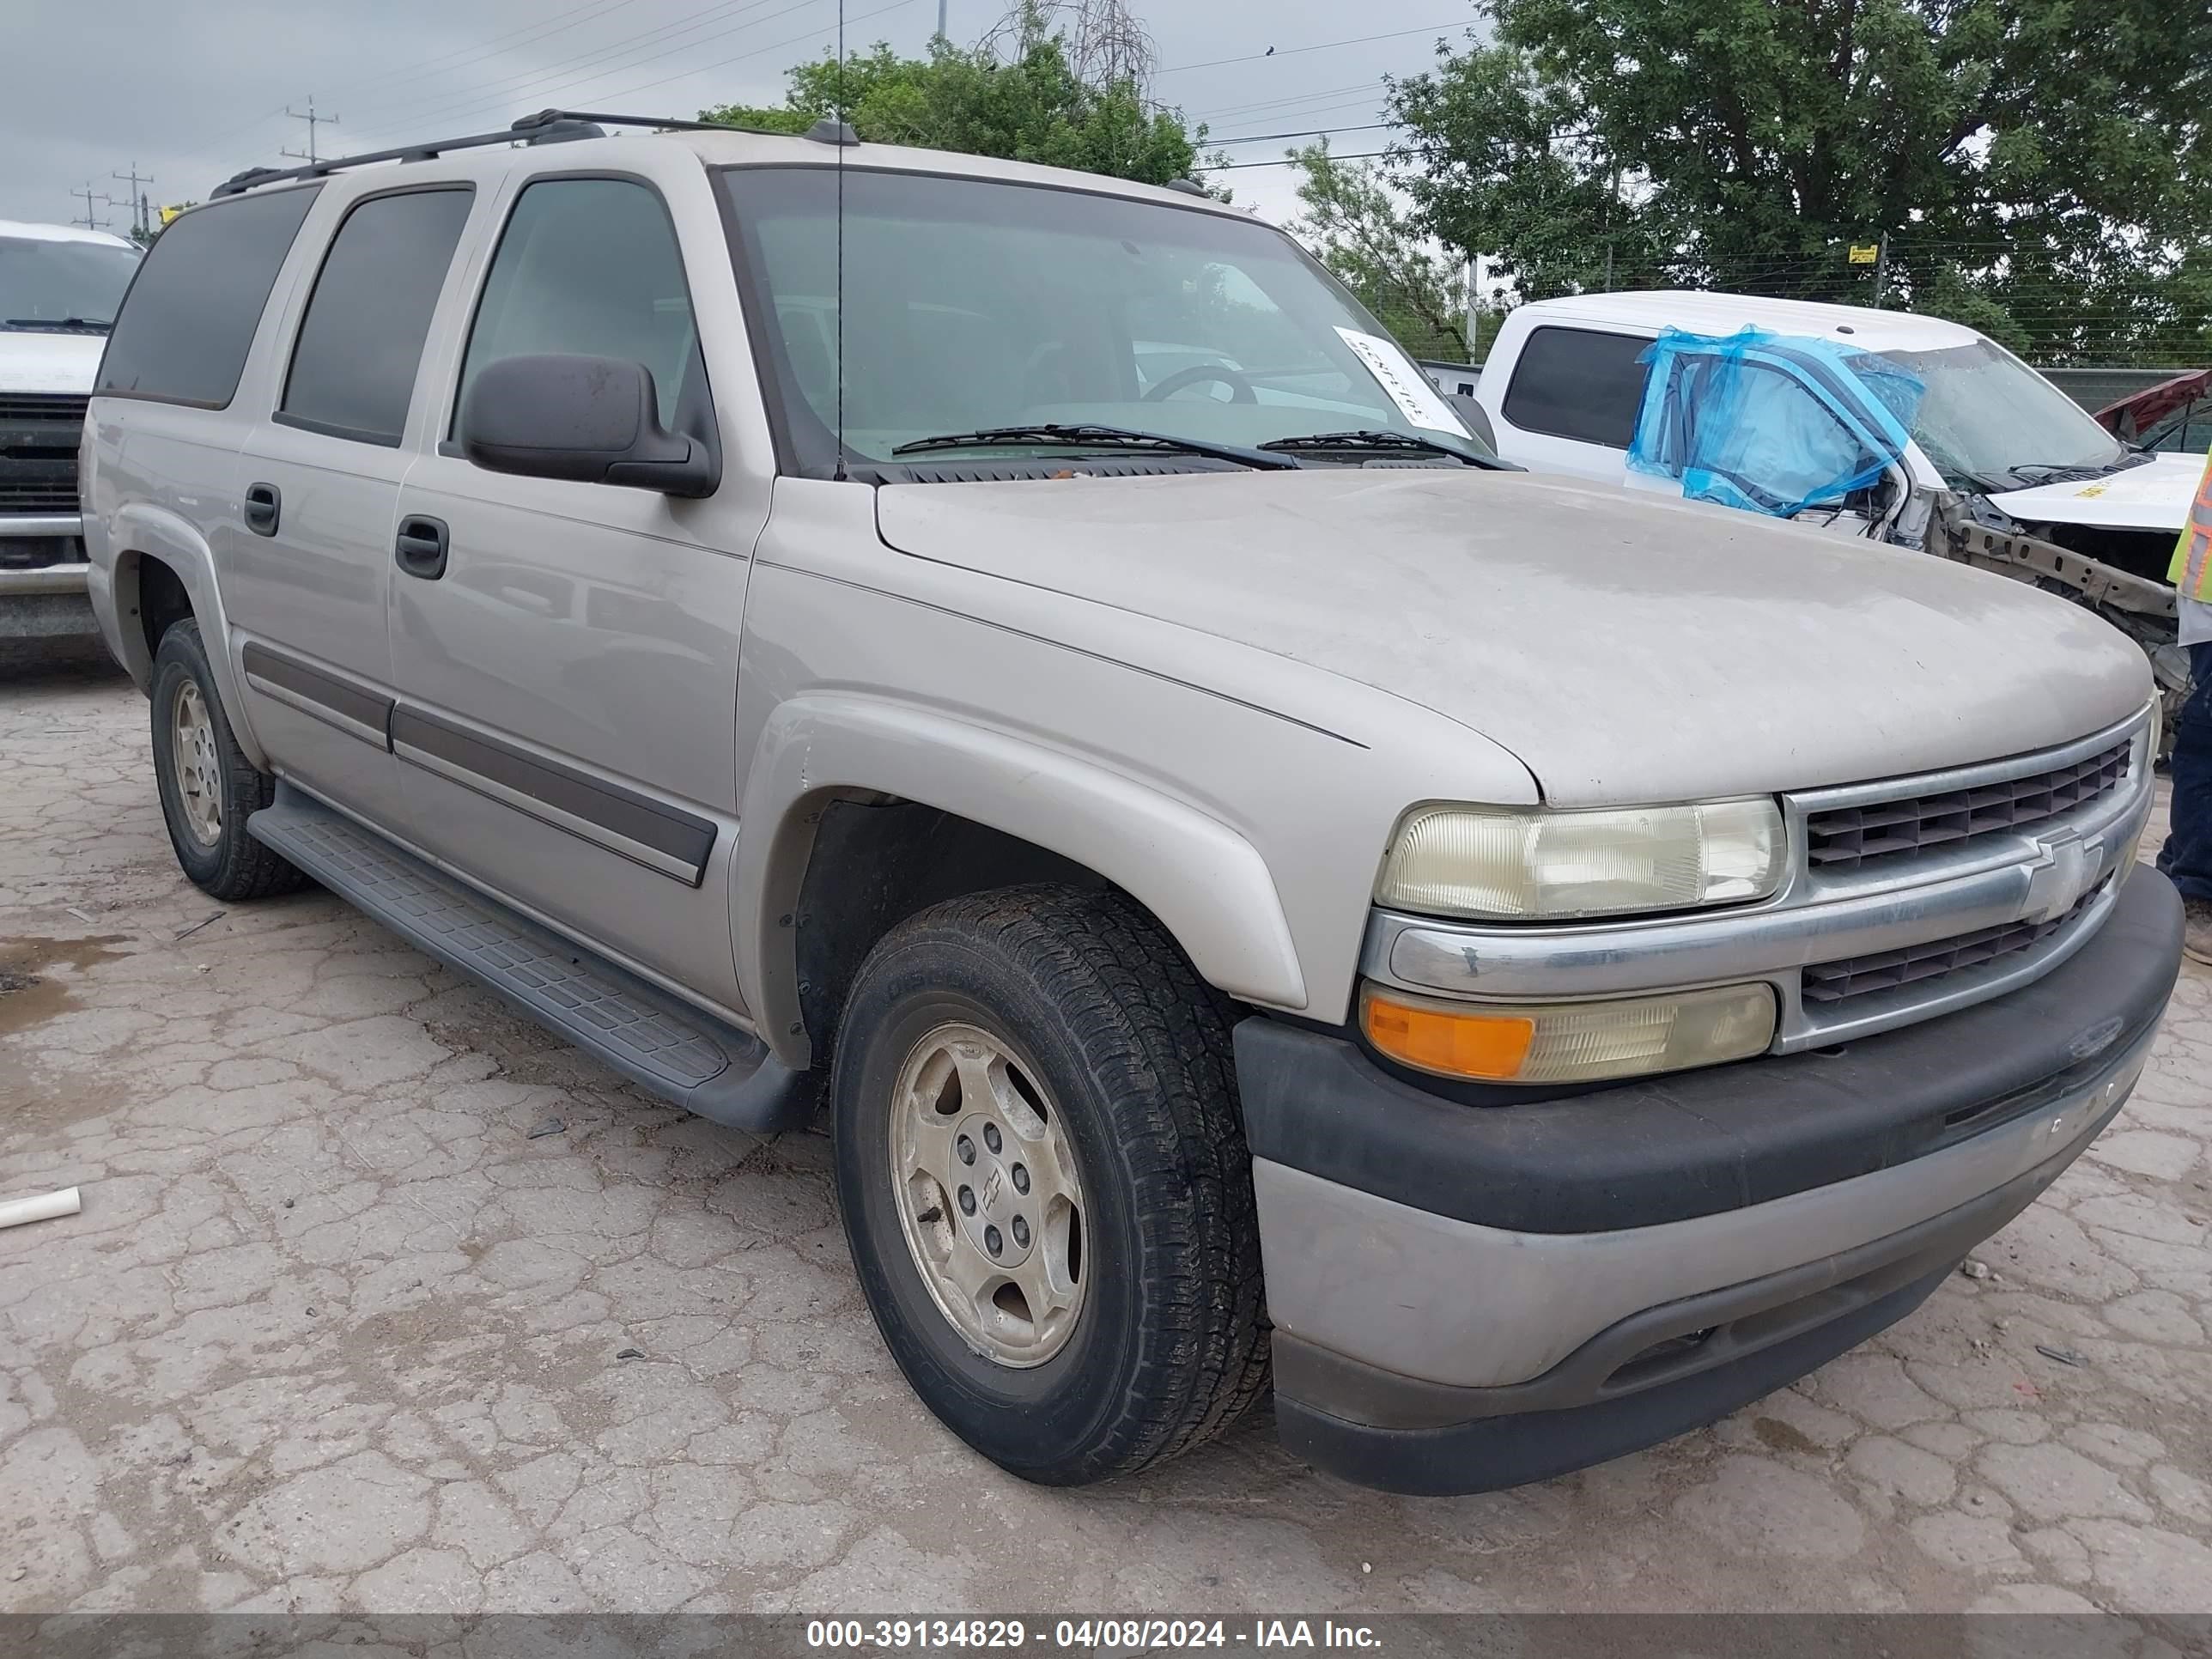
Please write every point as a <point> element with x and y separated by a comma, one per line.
<point>1768,422</point>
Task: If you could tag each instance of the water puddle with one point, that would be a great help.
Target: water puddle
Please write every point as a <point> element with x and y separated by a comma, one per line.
<point>28,997</point>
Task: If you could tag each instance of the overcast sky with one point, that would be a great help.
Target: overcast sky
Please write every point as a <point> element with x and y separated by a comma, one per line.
<point>191,91</point>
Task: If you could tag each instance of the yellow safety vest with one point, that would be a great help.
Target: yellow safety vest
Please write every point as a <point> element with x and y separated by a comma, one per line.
<point>2191,572</point>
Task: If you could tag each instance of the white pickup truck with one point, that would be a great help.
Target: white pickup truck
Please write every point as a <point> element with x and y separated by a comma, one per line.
<point>1999,468</point>
<point>59,289</point>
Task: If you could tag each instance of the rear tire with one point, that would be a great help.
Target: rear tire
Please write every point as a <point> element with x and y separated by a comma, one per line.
<point>208,788</point>
<point>1113,1059</point>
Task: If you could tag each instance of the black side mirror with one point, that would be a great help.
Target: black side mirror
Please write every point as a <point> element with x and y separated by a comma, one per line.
<point>593,420</point>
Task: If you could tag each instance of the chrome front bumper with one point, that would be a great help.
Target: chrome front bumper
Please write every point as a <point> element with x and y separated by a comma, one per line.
<point>2034,875</point>
<point>46,579</point>
<point>14,525</point>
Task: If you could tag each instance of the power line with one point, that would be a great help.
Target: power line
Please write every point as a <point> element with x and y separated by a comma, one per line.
<point>1325,46</point>
<point>413,114</point>
<point>1303,132</point>
<point>544,29</point>
<point>1246,109</point>
<point>1351,108</point>
<point>703,68</point>
<point>1231,167</point>
<point>896,5</point>
<point>434,66</point>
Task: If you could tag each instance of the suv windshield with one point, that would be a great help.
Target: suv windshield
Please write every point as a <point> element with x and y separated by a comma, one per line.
<point>62,286</point>
<point>1986,413</point>
<point>973,305</point>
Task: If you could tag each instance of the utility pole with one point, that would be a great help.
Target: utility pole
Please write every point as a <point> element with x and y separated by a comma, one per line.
<point>313,121</point>
<point>940,19</point>
<point>136,200</point>
<point>1612,195</point>
<point>90,222</point>
<point>1880,267</point>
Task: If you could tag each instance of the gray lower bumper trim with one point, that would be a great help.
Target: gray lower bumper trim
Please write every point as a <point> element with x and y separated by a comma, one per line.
<point>1455,1302</point>
<point>46,615</point>
<point>1677,1340</point>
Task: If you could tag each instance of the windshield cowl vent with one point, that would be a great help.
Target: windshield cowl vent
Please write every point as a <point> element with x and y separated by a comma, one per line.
<point>1047,470</point>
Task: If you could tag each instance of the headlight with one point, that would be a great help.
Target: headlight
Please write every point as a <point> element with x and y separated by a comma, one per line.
<point>1521,864</point>
<point>1570,1042</point>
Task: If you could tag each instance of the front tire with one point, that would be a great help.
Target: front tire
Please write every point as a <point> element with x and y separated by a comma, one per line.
<point>208,786</point>
<point>1063,1036</point>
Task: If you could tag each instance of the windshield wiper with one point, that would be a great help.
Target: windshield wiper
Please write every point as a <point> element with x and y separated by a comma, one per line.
<point>2073,472</point>
<point>1086,436</point>
<point>1377,438</point>
<point>98,325</point>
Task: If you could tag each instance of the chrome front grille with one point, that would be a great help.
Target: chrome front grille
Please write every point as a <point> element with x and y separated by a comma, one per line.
<point>1883,832</point>
<point>1885,970</point>
<point>2022,874</point>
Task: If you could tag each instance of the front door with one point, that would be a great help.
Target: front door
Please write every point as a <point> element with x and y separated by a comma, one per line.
<point>568,671</point>
<point>307,576</point>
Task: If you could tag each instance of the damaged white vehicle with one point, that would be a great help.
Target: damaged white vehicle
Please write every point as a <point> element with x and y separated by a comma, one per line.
<point>1883,424</point>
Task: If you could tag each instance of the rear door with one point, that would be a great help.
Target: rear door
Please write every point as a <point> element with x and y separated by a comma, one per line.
<point>1572,402</point>
<point>306,573</point>
<point>567,671</point>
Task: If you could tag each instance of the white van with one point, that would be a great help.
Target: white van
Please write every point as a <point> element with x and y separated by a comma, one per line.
<point>60,286</point>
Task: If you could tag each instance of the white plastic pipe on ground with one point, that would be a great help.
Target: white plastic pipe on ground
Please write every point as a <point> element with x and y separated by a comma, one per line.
<point>14,1212</point>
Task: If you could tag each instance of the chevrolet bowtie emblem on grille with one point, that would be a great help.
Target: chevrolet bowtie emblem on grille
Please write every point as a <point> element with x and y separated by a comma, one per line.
<point>2061,879</point>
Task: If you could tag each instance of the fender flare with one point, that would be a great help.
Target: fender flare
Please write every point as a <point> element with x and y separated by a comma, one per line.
<point>141,530</point>
<point>1206,883</point>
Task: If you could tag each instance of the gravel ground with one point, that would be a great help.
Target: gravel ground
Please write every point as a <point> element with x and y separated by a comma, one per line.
<point>339,1327</point>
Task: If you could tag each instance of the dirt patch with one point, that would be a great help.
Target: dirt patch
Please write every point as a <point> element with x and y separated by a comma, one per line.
<point>1778,1436</point>
<point>25,997</point>
<point>522,1050</point>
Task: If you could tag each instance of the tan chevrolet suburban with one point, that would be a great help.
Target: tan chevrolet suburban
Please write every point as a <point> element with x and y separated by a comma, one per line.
<point>1020,664</point>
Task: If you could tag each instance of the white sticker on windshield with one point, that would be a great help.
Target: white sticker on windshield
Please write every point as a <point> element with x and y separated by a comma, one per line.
<point>1399,375</point>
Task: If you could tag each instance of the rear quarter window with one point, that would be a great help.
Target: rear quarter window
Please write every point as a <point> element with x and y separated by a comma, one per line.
<point>1578,383</point>
<point>188,321</point>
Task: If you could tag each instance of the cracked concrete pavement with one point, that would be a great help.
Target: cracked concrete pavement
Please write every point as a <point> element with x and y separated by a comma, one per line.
<point>336,1331</point>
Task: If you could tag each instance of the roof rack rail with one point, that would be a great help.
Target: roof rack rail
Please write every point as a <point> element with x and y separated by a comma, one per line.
<point>547,127</point>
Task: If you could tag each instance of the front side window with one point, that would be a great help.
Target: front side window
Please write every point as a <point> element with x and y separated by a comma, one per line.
<point>1578,383</point>
<point>51,286</point>
<point>972,305</point>
<point>188,322</point>
<point>360,341</point>
<point>588,267</point>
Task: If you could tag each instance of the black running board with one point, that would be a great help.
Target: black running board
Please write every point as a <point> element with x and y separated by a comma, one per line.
<point>682,1053</point>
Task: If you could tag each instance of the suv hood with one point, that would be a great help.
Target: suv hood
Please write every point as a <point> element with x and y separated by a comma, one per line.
<point>2153,496</point>
<point>32,361</point>
<point>1626,649</point>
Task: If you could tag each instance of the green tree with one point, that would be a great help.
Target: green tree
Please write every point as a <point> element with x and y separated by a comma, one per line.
<point>1029,105</point>
<point>2043,165</point>
<point>1355,226</point>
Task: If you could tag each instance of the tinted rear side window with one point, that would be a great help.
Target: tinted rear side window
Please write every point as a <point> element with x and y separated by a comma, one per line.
<point>360,341</point>
<point>189,319</point>
<point>1578,383</point>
